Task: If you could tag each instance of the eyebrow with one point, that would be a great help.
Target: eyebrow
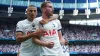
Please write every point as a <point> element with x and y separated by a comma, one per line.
<point>32,9</point>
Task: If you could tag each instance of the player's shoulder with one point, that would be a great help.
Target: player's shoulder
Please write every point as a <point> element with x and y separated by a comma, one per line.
<point>37,19</point>
<point>21,21</point>
<point>57,20</point>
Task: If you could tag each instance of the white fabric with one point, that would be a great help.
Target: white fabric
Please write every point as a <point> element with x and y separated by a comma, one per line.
<point>28,48</point>
<point>51,34</point>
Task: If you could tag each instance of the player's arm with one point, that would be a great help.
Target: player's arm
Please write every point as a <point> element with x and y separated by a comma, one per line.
<point>36,38</point>
<point>42,43</point>
<point>55,16</point>
<point>62,40</point>
<point>45,21</point>
<point>21,36</point>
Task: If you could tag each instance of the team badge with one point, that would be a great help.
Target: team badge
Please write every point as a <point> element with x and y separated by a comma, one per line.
<point>33,25</point>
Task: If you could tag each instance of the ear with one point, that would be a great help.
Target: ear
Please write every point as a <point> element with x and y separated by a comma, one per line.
<point>26,11</point>
<point>43,9</point>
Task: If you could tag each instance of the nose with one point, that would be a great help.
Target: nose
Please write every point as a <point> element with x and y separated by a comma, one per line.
<point>33,12</point>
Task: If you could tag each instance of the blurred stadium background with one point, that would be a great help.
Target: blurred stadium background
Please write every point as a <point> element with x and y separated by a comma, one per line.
<point>80,21</point>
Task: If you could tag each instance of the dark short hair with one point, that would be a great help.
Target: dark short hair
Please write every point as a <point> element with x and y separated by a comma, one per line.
<point>44,4</point>
<point>30,6</point>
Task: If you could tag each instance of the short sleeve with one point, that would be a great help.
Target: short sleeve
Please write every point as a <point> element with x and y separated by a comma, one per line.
<point>19,27</point>
<point>59,25</point>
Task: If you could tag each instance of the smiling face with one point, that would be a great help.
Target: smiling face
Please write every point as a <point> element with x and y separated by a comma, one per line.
<point>31,13</point>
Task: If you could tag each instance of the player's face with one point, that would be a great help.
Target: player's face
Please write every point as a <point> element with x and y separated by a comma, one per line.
<point>31,13</point>
<point>49,9</point>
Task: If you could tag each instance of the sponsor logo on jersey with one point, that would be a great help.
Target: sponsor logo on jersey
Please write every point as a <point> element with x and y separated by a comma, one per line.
<point>33,25</point>
<point>50,32</point>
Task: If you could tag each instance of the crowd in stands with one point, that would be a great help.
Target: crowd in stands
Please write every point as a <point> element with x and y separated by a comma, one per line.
<point>77,32</point>
<point>86,48</point>
<point>8,48</point>
<point>71,32</point>
<point>7,31</point>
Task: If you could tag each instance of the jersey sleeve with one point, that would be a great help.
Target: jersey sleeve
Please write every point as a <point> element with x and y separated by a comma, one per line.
<point>59,25</point>
<point>19,27</point>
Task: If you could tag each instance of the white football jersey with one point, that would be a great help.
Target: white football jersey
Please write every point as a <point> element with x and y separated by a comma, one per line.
<point>28,48</point>
<point>51,35</point>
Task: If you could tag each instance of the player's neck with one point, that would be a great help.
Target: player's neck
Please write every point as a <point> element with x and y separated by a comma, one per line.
<point>30,19</point>
<point>44,16</point>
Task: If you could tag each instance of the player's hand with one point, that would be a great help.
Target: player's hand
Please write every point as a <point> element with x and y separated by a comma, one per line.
<point>44,21</point>
<point>39,32</point>
<point>55,16</point>
<point>50,44</point>
<point>66,42</point>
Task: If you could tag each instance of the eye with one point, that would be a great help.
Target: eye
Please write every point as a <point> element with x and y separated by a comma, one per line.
<point>31,10</point>
<point>34,10</point>
<point>50,6</point>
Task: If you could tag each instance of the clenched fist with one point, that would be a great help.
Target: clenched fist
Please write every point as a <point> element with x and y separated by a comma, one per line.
<point>50,44</point>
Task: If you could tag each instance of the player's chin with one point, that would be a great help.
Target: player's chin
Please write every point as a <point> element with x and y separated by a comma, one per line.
<point>32,17</point>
